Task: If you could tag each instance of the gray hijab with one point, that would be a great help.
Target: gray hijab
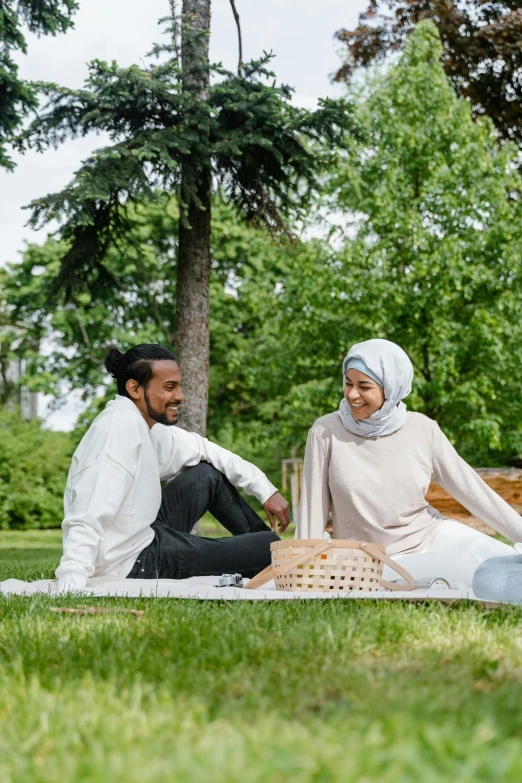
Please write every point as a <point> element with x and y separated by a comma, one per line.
<point>392,368</point>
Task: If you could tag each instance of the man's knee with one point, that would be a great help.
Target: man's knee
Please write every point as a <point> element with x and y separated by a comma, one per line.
<point>261,553</point>
<point>200,473</point>
<point>268,537</point>
<point>205,470</point>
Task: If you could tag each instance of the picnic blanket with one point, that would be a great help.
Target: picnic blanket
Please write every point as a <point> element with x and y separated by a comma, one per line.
<point>205,588</point>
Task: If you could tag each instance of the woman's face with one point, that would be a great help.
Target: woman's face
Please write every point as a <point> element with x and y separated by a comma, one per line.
<point>363,395</point>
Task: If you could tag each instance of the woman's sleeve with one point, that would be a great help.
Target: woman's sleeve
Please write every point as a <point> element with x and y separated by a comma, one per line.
<point>465,485</point>
<point>314,507</point>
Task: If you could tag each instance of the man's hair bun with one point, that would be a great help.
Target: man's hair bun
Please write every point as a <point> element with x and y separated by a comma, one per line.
<point>113,362</point>
<point>136,364</point>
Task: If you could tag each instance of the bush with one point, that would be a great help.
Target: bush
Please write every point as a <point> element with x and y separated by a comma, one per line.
<point>33,471</point>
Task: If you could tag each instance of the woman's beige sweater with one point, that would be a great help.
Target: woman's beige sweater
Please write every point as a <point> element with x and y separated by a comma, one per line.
<point>376,487</point>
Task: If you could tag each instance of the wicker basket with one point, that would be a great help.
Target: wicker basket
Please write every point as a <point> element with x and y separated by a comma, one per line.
<point>318,565</point>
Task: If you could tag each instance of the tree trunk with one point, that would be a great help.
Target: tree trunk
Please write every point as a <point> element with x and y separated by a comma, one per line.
<point>193,273</point>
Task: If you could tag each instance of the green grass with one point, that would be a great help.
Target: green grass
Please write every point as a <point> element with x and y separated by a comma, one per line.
<point>348,692</point>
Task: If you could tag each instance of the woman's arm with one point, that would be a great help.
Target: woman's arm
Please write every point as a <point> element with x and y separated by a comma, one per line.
<point>465,485</point>
<point>314,507</point>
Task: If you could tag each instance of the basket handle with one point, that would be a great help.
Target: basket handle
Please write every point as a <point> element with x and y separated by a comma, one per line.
<point>270,572</point>
<point>372,550</point>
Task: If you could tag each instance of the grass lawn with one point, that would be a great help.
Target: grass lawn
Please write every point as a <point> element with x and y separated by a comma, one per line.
<point>348,692</point>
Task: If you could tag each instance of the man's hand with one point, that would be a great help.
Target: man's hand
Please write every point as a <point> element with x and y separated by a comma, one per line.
<point>276,506</point>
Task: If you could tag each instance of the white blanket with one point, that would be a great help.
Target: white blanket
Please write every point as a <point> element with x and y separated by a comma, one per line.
<point>205,588</point>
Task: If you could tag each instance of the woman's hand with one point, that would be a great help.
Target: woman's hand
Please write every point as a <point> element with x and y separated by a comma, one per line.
<point>276,506</point>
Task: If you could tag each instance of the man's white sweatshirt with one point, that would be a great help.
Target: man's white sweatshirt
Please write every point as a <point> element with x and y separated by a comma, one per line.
<point>113,490</point>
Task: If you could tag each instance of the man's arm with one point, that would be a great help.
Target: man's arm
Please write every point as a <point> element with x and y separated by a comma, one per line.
<point>97,494</point>
<point>178,449</point>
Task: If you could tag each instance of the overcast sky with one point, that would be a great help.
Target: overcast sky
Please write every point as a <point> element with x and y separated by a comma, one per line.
<point>299,32</point>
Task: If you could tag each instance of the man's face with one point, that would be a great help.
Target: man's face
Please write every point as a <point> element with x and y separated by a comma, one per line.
<point>160,400</point>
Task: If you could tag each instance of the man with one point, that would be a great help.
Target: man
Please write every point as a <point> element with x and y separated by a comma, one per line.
<point>119,522</point>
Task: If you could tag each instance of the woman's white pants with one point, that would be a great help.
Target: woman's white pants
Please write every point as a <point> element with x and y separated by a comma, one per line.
<point>454,553</point>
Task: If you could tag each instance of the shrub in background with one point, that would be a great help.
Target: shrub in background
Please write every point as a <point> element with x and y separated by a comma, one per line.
<point>33,470</point>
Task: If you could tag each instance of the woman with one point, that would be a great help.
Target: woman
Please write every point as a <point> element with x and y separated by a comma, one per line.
<point>370,464</point>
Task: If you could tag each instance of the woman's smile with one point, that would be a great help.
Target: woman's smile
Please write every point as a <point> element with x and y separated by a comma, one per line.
<point>362,394</point>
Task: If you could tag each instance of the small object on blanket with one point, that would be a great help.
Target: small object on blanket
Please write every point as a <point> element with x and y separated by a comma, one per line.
<point>82,609</point>
<point>428,583</point>
<point>230,580</point>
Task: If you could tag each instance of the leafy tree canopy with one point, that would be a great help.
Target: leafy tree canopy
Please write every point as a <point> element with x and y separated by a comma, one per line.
<point>18,98</point>
<point>78,333</point>
<point>430,259</point>
<point>174,129</point>
<point>267,154</point>
<point>64,344</point>
<point>482,55</point>
<point>439,236</point>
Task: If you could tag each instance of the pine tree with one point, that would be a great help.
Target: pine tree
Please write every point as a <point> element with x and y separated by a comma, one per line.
<point>18,98</point>
<point>174,129</point>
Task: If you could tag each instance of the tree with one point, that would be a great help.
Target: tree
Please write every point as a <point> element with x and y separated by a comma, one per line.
<point>283,370</point>
<point>431,259</point>
<point>247,265</point>
<point>192,339</point>
<point>482,55</point>
<point>173,130</point>
<point>82,329</point>
<point>18,98</point>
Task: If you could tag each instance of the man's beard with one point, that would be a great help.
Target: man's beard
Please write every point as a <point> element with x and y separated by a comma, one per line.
<point>161,418</point>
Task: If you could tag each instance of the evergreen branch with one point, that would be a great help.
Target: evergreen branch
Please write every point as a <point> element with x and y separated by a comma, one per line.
<point>18,97</point>
<point>175,33</point>
<point>266,154</point>
<point>240,42</point>
<point>51,16</point>
<point>121,102</point>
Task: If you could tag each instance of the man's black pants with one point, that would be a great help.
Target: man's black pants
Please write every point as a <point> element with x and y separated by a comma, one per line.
<point>176,554</point>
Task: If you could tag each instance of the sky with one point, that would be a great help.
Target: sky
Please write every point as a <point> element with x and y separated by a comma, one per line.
<point>299,32</point>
